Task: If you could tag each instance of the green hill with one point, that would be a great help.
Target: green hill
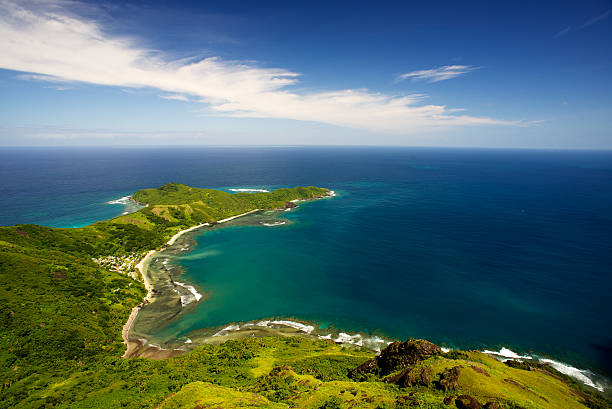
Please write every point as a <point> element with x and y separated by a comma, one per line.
<point>66,293</point>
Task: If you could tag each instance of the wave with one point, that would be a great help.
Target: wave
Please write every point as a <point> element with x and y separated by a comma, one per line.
<point>250,190</point>
<point>121,201</point>
<point>297,325</point>
<point>274,224</point>
<point>268,324</point>
<point>585,376</point>
<point>193,295</point>
<point>507,354</point>
<point>229,328</point>
<point>375,343</point>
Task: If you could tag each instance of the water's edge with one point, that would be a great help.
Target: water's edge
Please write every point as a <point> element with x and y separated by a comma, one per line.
<point>168,299</point>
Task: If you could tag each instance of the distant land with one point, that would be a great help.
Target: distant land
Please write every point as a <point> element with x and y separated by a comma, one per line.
<point>67,293</point>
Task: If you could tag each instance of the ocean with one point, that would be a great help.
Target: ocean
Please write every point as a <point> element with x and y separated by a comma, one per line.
<point>469,248</point>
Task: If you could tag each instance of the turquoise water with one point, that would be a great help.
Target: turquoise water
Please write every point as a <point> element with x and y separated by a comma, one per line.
<point>468,248</point>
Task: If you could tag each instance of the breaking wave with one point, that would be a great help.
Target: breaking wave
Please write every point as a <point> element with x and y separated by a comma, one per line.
<point>374,343</point>
<point>585,376</point>
<point>250,190</point>
<point>273,224</point>
<point>121,201</point>
<point>193,295</point>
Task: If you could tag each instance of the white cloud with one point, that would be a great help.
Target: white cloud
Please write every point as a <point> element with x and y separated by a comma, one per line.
<point>43,39</point>
<point>176,97</point>
<point>445,72</point>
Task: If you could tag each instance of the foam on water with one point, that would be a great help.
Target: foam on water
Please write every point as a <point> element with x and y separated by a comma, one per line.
<point>582,375</point>
<point>249,190</point>
<point>229,328</point>
<point>297,325</point>
<point>273,224</point>
<point>121,201</point>
<point>506,353</point>
<point>374,343</point>
<point>193,295</point>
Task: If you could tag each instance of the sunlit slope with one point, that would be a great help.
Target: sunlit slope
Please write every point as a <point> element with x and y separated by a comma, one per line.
<point>312,374</point>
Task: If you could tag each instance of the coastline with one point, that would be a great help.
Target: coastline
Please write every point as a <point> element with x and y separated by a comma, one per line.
<point>276,326</point>
<point>135,348</point>
<point>132,347</point>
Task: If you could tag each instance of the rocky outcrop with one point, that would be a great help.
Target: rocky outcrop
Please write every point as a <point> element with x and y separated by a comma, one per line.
<point>449,380</point>
<point>398,355</point>
<point>290,205</point>
<point>467,402</point>
<point>409,377</point>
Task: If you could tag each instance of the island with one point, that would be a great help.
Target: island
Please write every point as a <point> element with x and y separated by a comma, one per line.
<point>69,296</point>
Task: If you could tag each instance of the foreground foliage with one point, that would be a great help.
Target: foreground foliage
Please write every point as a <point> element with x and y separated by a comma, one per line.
<point>61,315</point>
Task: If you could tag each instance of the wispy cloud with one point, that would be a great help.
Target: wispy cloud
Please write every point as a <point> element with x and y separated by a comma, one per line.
<point>176,97</point>
<point>588,23</point>
<point>597,19</point>
<point>563,32</point>
<point>445,72</point>
<point>44,39</point>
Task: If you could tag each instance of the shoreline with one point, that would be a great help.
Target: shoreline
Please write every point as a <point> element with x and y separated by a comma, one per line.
<point>133,346</point>
<point>283,327</point>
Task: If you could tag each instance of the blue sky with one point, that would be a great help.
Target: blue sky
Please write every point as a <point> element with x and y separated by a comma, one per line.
<point>531,75</point>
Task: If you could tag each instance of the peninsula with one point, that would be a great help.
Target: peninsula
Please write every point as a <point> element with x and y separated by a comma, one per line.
<point>68,298</point>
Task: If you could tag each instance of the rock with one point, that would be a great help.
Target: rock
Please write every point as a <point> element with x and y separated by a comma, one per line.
<point>290,205</point>
<point>467,402</point>
<point>491,405</point>
<point>449,379</point>
<point>398,355</point>
<point>368,367</point>
<point>480,370</point>
<point>402,379</point>
<point>425,376</point>
<point>448,399</point>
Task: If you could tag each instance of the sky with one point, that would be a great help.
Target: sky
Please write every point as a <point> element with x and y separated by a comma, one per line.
<point>457,74</point>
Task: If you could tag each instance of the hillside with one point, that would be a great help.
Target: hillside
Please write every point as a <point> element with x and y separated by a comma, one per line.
<point>64,298</point>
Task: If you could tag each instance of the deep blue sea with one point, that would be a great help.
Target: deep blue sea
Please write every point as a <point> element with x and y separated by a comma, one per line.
<point>468,248</point>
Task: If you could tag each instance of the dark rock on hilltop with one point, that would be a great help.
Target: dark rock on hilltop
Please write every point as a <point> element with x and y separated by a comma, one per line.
<point>449,380</point>
<point>467,402</point>
<point>398,355</point>
<point>407,377</point>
